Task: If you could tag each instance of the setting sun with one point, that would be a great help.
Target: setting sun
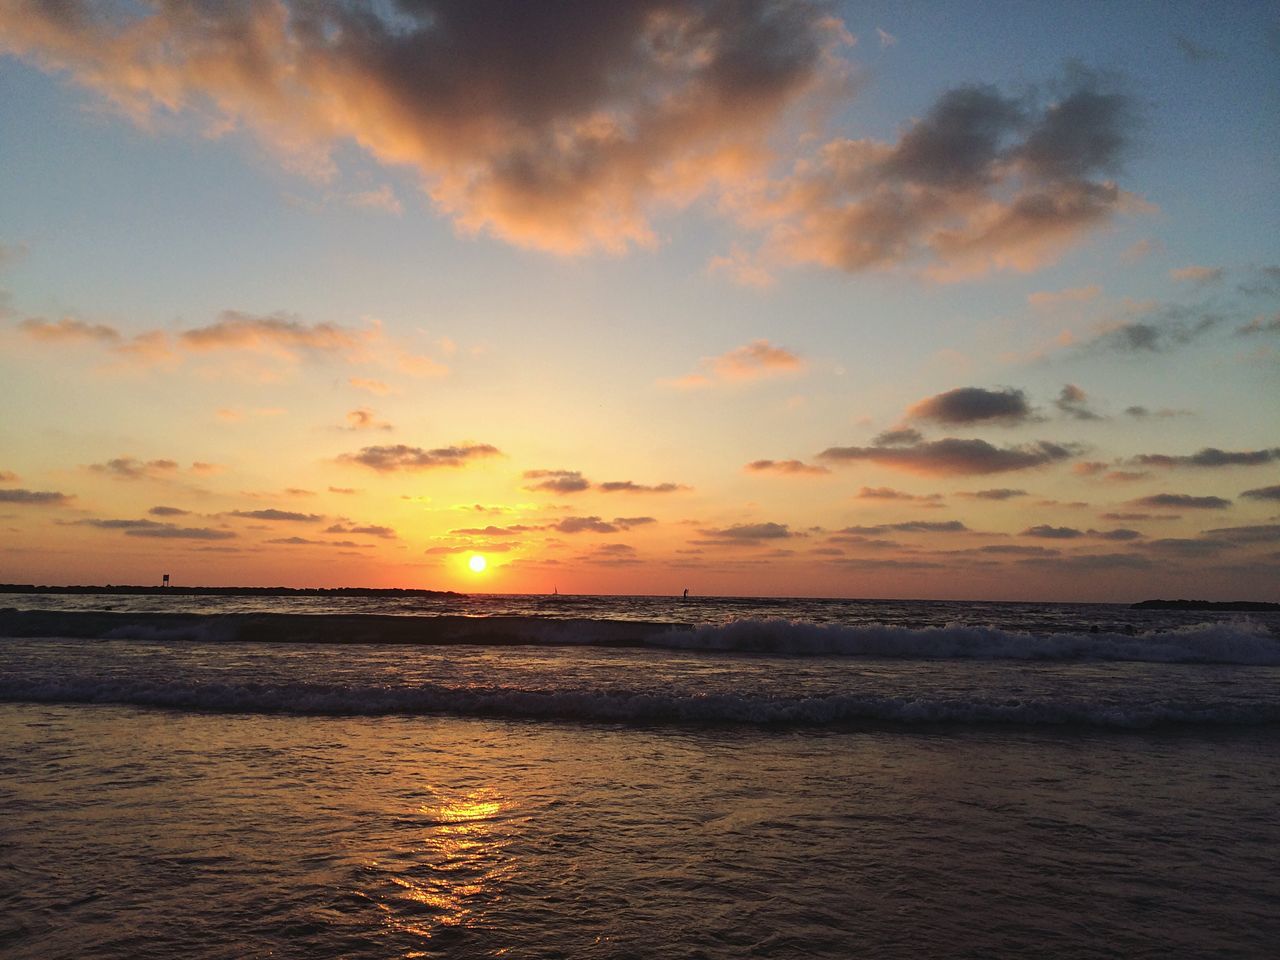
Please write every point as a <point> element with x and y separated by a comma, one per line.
<point>477,563</point>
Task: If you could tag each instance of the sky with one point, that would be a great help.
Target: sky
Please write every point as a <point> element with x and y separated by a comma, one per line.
<point>921,300</point>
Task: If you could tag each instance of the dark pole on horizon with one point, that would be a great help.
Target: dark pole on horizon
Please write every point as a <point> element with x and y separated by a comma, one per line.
<point>164,581</point>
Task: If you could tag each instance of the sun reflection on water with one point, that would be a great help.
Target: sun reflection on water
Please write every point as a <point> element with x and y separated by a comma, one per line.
<point>448,875</point>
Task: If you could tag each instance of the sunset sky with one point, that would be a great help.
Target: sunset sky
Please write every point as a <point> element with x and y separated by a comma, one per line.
<point>871,300</point>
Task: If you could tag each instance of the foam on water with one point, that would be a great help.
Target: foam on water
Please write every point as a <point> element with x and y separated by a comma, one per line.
<point>626,706</point>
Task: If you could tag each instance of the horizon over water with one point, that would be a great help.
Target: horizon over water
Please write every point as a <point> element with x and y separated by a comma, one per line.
<point>544,776</point>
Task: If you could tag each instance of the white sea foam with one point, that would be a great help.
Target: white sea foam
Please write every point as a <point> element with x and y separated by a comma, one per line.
<point>1241,642</point>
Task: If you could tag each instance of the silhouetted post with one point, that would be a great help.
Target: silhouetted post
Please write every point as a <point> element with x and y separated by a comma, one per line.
<point>164,581</point>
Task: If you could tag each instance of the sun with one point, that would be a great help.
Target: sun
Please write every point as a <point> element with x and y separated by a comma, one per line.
<point>477,563</point>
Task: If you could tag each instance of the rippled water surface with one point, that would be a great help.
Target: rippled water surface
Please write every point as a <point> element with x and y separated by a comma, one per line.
<point>773,779</point>
<point>152,834</point>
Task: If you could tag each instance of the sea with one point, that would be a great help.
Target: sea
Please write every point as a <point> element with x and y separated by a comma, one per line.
<point>634,777</point>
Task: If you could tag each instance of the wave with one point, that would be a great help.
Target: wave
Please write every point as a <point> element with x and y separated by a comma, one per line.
<point>628,707</point>
<point>1241,641</point>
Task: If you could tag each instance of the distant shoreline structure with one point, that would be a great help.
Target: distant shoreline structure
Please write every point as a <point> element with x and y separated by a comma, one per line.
<point>128,590</point>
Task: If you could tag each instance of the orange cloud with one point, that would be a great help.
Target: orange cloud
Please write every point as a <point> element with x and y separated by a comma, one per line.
<point>557,127</point>
<point>756,360</point>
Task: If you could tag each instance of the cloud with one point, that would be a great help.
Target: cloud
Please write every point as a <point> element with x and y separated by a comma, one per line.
<point>1044,299</point>
<point>627,486</point>
<point>886,38</point>
<point>998,493</point>
<point>1177,501</point>
<point>69,330</point>
<point>756,360</point>
<point>791,467</point>
<point>362,418</point>
<point>1257,533</point>
<point>131,468</point>
<point>553,126</point>
<point>1194,52</point>
<point>1258,325</point>
<point>385,459</point>
<point>1263,493</point>
<point>983,181</point>
<point>1090,563</point>
<point>901,436</point>
<point>1074,402</point>
<point>557,481</point>
<point>1211,457</point>
<point>584,524</point>
<point>273,514</point>
<point>492,531</point>
<point>968,405</point>
<point>8,477</point>
<point>277,333</point>
<point>1198,274</point>
<point>747,534</point>
<point>910,526</point>
<point>952,456</point>
<point>37,498</point>
<point>1164,413</point>
<point>369,530</point>
<point>888,493</point>
<point>1047,532</point>
<point>168,512</point>
<point>157,530</point>
<point>1172,325</point>
<point>304,541</point>
<point>372,386</point>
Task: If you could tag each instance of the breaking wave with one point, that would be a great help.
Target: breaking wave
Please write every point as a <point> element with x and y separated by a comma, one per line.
<point>1241,641</point>
<point>628,707</point>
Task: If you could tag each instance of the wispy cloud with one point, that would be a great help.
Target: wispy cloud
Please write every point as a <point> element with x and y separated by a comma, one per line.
<point>952,456</point>
<point>399,456</point>
<point>787,467</point>
<point>756,360</point>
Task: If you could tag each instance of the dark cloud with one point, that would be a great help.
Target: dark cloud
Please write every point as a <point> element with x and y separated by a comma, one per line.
<point>273,514</point>
<point>998,493</point>
<point>1017,550</point>
<point>131,468</point>
<point>362,418</point>
<point>898,437</point>
<point>585,524</point>
<point>955,145</point>
<point>1183,501</point>
<point>1185,547</point>
<point>1260,325</point>
<point>911,526</point>
<point>1194,52</point>
<point>1257,533</point>
<point>39,498</point>
<point>984,180</point>
<point>168,512</point>
<point>627,486</point>
<point>970,405</point>
<point>626,523</point>
<point>369,530</point>
<point>748,533</point>
<point>1171,326</point>
<point>303,541</point>
<point>1090,563</point>
<point>156,530</point>
<point>1119,534</point>
<point>953,456</point>
<point>1211,457</point>
<point>888,493</point>
<point>1141,413</point>
<point>794,467</point>
<point>1262,282</point>
<point>401,457</point>
<point>1124,517</point>
<point>1052,533</point>
<point>557,481</point>
<point>1263,493</point>
<point>1074,402</point>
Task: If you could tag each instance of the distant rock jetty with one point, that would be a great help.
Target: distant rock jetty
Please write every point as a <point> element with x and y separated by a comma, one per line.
<point>1247,606</point>
<point>232,591</point>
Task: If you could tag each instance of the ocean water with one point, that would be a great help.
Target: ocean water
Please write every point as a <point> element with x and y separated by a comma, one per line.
<point>634,777</point>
